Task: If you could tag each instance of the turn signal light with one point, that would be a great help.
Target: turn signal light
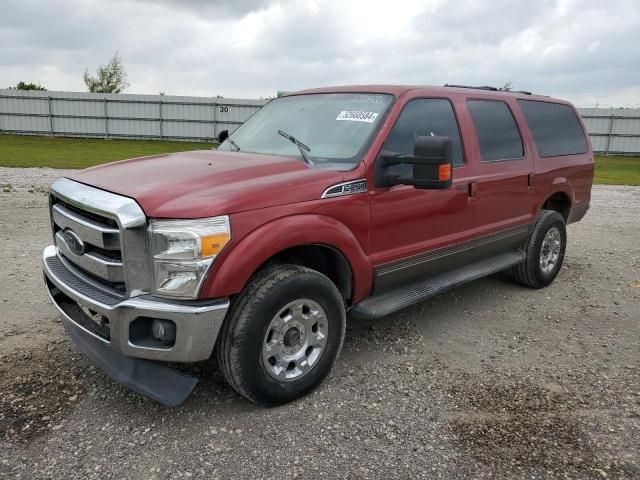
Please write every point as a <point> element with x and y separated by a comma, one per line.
<point>212,244</point>
<point>444,172</point>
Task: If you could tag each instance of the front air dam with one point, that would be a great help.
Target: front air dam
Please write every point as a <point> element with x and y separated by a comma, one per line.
<point>162,384</point>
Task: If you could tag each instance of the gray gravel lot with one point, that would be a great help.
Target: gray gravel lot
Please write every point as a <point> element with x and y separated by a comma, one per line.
<point>489,380</point>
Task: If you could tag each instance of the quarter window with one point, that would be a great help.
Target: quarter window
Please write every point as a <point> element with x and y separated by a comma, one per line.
<point>555,128</point>
<point>496,129</point>
<point>425,117</point>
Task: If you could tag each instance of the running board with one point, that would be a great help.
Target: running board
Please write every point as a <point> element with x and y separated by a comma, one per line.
<point>393,300</point>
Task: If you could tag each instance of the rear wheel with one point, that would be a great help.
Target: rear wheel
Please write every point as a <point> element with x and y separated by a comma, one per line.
<point>283,335</point>
<point>545,249</point>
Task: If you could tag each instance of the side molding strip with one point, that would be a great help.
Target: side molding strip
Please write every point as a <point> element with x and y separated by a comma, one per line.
<point>455,249</point>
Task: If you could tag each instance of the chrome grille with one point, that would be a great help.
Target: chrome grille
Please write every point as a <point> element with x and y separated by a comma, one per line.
<point>102,258</point>
<point>101,234</point>
<point>100,237</point>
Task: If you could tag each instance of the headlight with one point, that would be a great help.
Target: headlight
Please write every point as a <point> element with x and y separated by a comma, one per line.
<point>182,252</point>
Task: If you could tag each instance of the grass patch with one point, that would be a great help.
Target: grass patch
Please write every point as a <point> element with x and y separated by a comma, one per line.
<point>617,170</point>
<point>59,152</point>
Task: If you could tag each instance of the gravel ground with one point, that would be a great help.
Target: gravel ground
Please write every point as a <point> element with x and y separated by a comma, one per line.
<point>490,380</point>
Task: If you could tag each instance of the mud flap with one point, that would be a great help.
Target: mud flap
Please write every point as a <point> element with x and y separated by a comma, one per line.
<point>153,380</point>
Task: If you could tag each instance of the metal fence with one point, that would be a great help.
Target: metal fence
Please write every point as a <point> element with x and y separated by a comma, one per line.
<point>201,119</point>
<point>121,115</point>
<point>613,130</point>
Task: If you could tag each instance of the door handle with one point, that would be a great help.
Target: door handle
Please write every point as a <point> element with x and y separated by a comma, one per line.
<point>473,190</point>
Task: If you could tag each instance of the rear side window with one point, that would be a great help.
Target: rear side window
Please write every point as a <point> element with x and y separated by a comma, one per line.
<point>496,129</point>
<point>556,129</point>
<point>424,117</point>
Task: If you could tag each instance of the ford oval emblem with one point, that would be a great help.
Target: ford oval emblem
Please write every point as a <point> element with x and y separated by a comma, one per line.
<point>74,242</point>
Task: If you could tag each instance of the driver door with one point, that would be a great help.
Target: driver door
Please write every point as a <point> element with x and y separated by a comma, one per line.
<point>409,224</point>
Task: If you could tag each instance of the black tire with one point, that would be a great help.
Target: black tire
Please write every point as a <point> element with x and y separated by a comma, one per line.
<point>240,342</point>
<point>530,273</point>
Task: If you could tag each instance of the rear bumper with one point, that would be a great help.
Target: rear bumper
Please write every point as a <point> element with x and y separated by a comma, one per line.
<point>197,323</point>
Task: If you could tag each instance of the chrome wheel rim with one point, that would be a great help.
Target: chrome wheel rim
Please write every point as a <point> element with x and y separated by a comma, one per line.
<point>550,250</point>
<point>295,340</point>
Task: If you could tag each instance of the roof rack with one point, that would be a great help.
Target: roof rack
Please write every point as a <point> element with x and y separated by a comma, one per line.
<point>486,87</point>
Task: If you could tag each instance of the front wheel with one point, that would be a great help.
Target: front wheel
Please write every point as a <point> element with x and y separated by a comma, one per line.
<point>545,249</point>
<point>283,335</point>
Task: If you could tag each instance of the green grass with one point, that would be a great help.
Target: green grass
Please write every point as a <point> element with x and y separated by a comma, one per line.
<point>59,152</point>
<point>617,170</point>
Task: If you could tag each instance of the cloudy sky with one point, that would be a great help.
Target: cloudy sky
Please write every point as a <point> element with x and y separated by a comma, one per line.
<point>585,50</point>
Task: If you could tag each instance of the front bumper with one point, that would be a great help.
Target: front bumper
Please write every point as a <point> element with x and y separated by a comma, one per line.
<point>197,323</point>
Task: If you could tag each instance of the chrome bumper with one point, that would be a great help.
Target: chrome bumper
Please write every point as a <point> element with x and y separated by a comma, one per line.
<point>197,323</point>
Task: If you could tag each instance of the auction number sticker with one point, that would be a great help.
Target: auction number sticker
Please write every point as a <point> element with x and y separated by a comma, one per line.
<point>355,116</point>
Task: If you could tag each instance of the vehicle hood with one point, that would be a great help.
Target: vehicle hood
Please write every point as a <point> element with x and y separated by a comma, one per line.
<point>206,183</point>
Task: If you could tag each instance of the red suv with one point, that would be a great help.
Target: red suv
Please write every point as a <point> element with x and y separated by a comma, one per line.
<point>360,200</point>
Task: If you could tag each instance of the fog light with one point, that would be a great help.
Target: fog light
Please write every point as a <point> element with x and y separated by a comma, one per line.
<point>164,330</point>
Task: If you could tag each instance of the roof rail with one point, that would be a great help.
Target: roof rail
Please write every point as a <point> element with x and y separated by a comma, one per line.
<point>486,87</point>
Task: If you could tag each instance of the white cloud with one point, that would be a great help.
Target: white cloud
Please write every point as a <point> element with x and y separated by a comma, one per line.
<point>584,50</point>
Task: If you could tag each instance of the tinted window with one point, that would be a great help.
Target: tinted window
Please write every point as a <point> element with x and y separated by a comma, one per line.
<point>497,131</point>
<point>424,117</point>
<point>555,128</point>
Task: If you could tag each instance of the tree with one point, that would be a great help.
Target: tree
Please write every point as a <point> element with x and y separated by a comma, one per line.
<point>29,86</point>
<point>508,87</point>
<point>110,78</point>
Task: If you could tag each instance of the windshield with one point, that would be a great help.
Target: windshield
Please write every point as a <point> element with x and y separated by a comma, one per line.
<point>335,128</point>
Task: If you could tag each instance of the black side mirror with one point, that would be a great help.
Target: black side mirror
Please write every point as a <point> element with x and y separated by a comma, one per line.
<point>222,136</point>
<point>431,161</point>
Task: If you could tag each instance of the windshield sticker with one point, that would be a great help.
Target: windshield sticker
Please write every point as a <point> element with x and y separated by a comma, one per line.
<point>369,99</point>
<point>355,116</point>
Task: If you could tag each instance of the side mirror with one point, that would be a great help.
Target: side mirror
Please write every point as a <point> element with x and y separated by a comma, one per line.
<point>431,162</point>
<point>222,136</point>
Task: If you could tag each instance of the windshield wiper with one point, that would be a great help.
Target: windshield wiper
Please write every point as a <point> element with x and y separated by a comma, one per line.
<point>301,146</point>
<point>233,144</point>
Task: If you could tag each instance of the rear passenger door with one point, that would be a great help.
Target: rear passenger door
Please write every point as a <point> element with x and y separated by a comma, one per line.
<point>501,188</point>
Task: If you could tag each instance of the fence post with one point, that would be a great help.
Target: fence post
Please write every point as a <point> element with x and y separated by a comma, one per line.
<point>50,116</point>
<point>106,118</point>
<point>606,149</point>
<point>160,118</point>
<point>215,120</point>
